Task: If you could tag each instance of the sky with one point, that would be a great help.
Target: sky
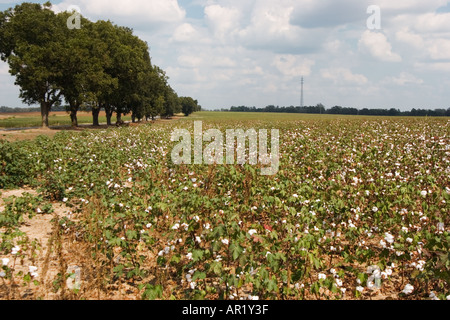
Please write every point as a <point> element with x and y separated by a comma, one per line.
<point>254,52</point>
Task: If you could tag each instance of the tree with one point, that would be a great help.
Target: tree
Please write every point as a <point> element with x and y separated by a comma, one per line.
<point>171,103</point>
<point>129,62</point>
<point>157,87</point>
<point>82,66</point>
<point>188,105</point>
<point>30,39</point>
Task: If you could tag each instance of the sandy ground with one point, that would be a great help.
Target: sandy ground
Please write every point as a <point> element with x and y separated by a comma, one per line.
<point>40,229</point>
<point>26,134</point>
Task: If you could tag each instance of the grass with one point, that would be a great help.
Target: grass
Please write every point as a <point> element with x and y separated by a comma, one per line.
<point>56,119</point>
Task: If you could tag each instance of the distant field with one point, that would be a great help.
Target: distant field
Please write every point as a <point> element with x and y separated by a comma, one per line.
<point>264,117</point>
<point>33,119</point>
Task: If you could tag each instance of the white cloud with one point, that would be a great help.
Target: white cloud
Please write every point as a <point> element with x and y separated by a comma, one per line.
<point>188,76</point>
<point>223,21</point>
<point>378,46</point>
<point>439,49</point>
<point>138,11</point>
<point>435,67</point>
<point>190,61</point>
<point>329,13</point>
<point>4,69</point>
<point>431,47</point>
<point>9,93</point>
<point>410,38</point>
<point>433,22</point>
<point>410,6</point>
<point>343,76</point>
<point>403,79</point>
<point>185,33</point>
<point>293,66</point>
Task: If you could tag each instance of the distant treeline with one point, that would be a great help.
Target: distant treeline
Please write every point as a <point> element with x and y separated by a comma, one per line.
<point>320,109</point>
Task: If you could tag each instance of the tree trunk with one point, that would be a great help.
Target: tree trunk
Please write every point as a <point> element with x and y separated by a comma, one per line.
<point>109,113</point>
<point>133,118</point>
<point>95,114</point>
<point>73,116</point>
<point>45,110</point>
<point>119,117</point>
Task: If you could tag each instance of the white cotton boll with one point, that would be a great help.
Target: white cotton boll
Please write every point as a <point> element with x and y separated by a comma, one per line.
<point>408,289</point>
<point>433,296</point>
<point>32,270</point>
<point>176,226</point>
<point>389,237</point>
<point>15,250</point>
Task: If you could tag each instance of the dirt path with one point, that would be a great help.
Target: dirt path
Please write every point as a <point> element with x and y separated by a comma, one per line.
<point>39,229</point>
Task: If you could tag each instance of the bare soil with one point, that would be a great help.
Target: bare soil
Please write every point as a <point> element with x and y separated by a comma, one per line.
<point>39,229</point>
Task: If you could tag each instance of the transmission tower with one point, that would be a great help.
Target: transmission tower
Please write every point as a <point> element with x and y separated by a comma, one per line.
<point>302,97</point>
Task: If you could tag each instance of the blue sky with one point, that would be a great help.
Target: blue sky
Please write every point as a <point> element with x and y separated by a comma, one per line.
<point>254,52</point>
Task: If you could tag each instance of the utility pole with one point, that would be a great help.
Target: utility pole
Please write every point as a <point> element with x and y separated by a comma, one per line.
<point>302,101</point>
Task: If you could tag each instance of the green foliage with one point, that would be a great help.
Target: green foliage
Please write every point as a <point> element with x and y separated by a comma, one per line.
<point>17,207</point>
<point>189,105</point>
<point>16,165</point>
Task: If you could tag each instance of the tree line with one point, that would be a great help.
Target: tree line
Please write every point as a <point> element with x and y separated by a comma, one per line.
<point>320,109</point>
<point>100,66</point>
